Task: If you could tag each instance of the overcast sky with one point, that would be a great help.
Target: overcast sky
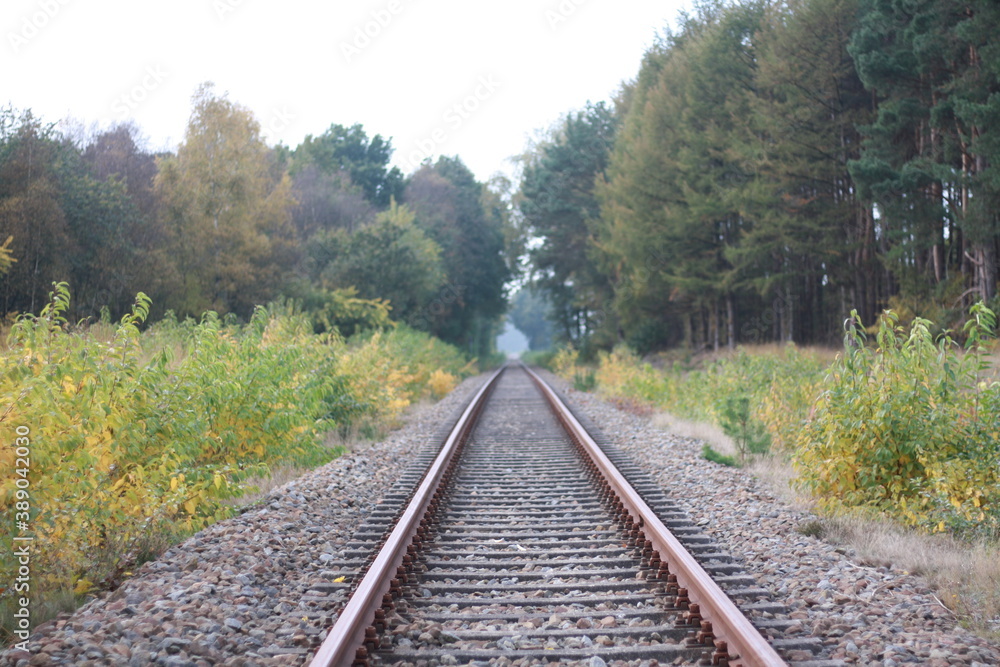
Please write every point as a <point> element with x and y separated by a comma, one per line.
<point>470,78</point>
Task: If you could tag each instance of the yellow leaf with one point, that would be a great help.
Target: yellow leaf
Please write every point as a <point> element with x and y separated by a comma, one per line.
<point>191,506</point>
<point>82,586</point>
<point>173,483</point>
<point>339,580</point>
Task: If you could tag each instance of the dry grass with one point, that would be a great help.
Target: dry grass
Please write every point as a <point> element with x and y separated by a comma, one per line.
<point>710,434</point>
<point>698,361</point>
<point>965,577</point>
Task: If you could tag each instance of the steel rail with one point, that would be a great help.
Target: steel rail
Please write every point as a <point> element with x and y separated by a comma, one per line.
<point>353,626</point>
<point>728,624</point>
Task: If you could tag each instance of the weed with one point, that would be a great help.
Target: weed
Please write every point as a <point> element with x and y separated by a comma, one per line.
<point>710,454</point>
<point>811,529</point>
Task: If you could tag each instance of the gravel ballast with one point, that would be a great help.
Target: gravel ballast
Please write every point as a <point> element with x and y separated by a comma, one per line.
<point>865,615</point>
<point>242,592</point>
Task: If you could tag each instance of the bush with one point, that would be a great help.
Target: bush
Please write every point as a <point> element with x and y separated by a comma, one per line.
<point>710,454</point>
<point>750,436</point>
<point>542,358</point>
<point>139,436</point>
<point>908,428</point>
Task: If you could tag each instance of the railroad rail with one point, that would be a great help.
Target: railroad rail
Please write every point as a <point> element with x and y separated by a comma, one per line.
<point>525,541</point>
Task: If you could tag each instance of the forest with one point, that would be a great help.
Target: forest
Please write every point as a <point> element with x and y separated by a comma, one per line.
<point>772,167</point>
<point>227,223</point>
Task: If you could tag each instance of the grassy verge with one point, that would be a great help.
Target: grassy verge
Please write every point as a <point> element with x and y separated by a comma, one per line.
<point>893,442</point>
<point>131,441</point>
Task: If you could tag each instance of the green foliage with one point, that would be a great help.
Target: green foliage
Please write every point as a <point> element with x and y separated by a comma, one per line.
<point>542,358</point>
<point>6,260</point>
<point>584,380</point>
<point>225,213</point>
<point>558,201</point>
<point>908,427</point>
<point>710,454</point>
<point>774,165</point>
<point>338,310</point>
<point>451,208</point>
<point>391,259</point>
<point>143,435</point>
<point>348,149</point>
<point>736,420</point>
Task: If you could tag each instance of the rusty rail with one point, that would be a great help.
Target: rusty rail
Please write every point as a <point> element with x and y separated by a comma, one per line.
<point>356,625</point>
<point>733,636</point>
<point>712,616</point>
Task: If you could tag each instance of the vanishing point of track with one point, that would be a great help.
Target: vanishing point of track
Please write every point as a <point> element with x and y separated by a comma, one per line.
<point>524,542</point>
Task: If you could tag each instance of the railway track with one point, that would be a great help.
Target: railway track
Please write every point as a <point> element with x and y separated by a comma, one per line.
<point>525,540</point>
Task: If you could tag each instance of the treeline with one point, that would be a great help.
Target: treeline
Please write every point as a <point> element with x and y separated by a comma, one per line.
<point>227,223</point>
<point>773,166</point>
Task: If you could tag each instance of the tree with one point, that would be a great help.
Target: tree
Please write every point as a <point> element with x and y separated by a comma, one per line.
<point>349,150</point>
<point>530,312</point>
<point>327,201</point>
<point>449,206</point>
<point>115,199</point>
<point>929,158</point>
<point>31,211</point>
<point>674,199</point>
<point>558,202</point>
<point>226,214</point>
<point>811,251</point>
<point>390,259</point>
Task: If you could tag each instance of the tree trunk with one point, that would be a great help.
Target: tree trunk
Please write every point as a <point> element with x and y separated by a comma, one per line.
<point>730,322</point>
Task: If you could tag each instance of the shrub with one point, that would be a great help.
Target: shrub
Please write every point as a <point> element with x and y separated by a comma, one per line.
<point>907,427</point>
<point>710,454</point>
<point>140,436</point>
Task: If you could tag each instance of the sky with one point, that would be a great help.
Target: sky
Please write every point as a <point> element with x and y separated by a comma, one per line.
<point>439,77</point>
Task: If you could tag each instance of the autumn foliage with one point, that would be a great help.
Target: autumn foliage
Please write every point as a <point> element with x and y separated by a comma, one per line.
<point>139,435</point>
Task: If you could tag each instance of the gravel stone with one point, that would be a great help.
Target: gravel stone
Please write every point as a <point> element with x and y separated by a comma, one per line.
<point>864,614</point>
